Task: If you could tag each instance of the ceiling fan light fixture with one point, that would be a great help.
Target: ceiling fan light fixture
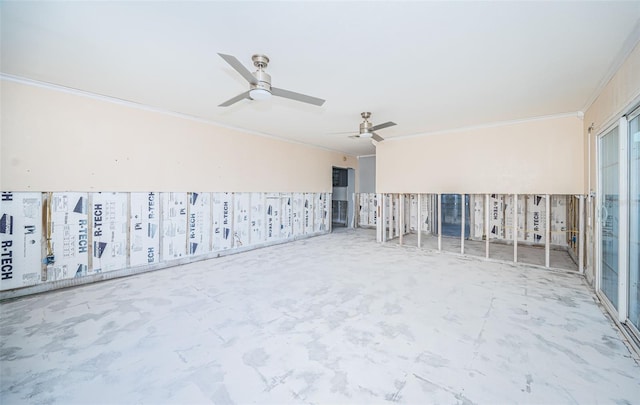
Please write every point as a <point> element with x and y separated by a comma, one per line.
<point>259,94</point>
<point>366,135</point>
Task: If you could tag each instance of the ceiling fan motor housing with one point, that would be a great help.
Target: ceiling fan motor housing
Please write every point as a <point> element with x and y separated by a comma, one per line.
<point>263,80</point>
<point>365,126</point>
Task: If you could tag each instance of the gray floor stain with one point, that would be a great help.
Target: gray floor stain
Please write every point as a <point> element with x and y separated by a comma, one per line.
<point>427,385</point>
<point>395,397</point>
<point>562,349</point>
<point>432,359</point>
<point>317,351</point>
<point>392,309</point>
<point>339,383</point>
<point>255,358</point>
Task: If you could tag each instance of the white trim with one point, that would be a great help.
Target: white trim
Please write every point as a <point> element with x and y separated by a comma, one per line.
<point>486,225</point>
<point>439,222</point>
<point>145,107</point>
<point>581,235</point>
<point>577,114</point>
<point>419,221</point>
<point>401,218</point>
<point>462,225</point>
<point>623,230</point>
<point>547,231</point>
<point>515,228</point>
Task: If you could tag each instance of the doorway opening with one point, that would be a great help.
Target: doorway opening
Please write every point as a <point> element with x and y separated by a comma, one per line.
<point>342,197</point>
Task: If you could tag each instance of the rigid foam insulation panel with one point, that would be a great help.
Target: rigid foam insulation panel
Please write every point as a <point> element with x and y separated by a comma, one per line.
<point>241,221</point>
<point>413,211</point>
<point>143,229</point>
<point>368,209</point>
<point>386,210</point>
<point>200,223</point>
<point>373,209</point>
<point>509,215</point>
<point>536,223</point>
<point>395,201</point>
<point>559,214</point>
<point>287,215</point>
<point>363,209</point>
<point>496,216</point>
<point>20,239</point>
<point>326,209</point>
<point>109,230</point>
<point>476,217</point>
<point>319,220</point>
<point>307,217</point>
<point>274,217</point>
<point>69,236</point>
<point>222,221</point>
<point>427,212</point>
<point>174,225</point>
<point>258,219</point>
<point>297,214</point>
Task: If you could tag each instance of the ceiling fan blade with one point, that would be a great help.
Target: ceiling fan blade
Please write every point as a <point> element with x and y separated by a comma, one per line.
<point>235,99</point>
<point>239,67</point>
<point>296,96</point>
<point>340,133</point>
<point>381,126</point>
<point>354,136</point>
<point>377,137</point>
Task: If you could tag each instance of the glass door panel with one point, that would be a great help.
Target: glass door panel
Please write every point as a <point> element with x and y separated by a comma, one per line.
<point>634,221</point>
<point>609,211</point>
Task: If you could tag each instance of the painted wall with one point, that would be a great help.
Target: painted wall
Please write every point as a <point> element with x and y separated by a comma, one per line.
<point>533,157</point>
<point>367,170</point>
<point>59,141</point>
<point>617,98</point>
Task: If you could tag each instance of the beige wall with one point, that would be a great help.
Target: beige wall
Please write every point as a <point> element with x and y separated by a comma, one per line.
<point>57,141</point>
<point>615,100</point>
<point>537,156</point>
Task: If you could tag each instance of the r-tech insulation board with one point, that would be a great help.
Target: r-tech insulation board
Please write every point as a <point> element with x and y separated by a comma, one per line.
<point>99,232</point>
<point>109,212</point>
<point>20,239</point>
<point>70,236</point>
<point>199,223</point>
<point>174,225</point>
<point>241,222</point>
<point>222,221</point>
<point>274,217</point>
<point>144,228</point>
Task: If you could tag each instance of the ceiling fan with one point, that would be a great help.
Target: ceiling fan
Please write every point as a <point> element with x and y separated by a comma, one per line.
<point>367,129</point>
<point>260,83</point>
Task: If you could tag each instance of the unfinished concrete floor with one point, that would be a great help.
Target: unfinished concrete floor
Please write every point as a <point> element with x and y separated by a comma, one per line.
<point>558,258</point>
<point>332,319</point>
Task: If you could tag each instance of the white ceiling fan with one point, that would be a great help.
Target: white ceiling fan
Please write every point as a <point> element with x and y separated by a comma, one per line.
<point>260,83</point>
<point>367,129</point>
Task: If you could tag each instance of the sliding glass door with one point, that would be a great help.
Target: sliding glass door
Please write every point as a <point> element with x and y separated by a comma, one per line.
<point>609,193</point>
<point>619,222</point>
<point>634,220</point>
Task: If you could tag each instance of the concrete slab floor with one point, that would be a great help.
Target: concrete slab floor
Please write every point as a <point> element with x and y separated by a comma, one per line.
<point>332,319</point>
<point>558,258</point>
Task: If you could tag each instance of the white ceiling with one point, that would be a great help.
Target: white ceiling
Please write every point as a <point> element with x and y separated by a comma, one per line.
<point>428,66</point>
